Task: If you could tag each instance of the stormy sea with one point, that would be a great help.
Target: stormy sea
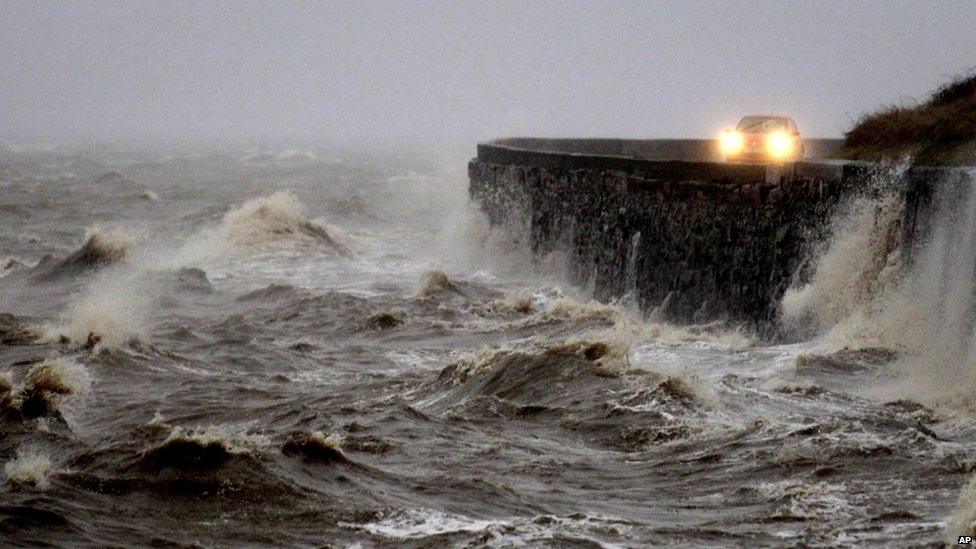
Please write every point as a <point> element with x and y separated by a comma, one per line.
<point>332,347</point>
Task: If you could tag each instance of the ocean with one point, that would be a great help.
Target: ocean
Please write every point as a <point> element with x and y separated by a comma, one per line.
<point>331,347</point>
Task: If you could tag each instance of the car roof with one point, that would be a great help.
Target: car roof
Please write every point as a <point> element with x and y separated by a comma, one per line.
<point>779,116</point>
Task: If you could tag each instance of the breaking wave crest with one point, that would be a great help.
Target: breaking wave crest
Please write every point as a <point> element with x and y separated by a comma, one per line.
<point>624,327</point>
<point>100,249</point>
<point>315,447</point>
<point>59,376</point>
<point>270,221</point>
<point>110,312</point>
<point>587,386</point>
<point>526,382</point>
<point>114,307</point>
<point>202,448</point>
<point>29,468</point>
<point>435,284</point>
<point>622,324</point>
<point>417,526</point>
<point>43,388</point>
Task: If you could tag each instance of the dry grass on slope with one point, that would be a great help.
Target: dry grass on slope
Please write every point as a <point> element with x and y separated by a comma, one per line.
<point>939,132</point>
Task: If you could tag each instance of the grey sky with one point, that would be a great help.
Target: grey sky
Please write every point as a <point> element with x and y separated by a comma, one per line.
<point>468,70</point>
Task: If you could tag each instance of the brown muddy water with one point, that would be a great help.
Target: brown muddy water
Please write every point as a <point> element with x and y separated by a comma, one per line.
<point>330,347</point>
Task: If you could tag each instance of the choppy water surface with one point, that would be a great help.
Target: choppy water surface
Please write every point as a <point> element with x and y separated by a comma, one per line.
<point>330,347</point>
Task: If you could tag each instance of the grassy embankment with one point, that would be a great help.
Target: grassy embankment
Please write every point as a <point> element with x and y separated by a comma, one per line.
<point>938,132</point>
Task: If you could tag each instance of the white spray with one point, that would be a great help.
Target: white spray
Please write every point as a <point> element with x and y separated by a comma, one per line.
<point>863,297</point>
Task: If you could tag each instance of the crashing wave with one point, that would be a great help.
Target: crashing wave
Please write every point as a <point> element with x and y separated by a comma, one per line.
<point>609,355</point>
<point>60,376</point>
<point>385,320</point>
<point>791,386</point>
<point>677,388</point>
<point>629,331</point>
<point>555,375</point>
<point>917,310</point>
<point>100,249</point>
<point>47,383</point>
<point>564,309</point>
<point>189,453</point>
<point>44,386</point>
<point>585,386</point>
<point>435,283</point>
<point>114,308</point>
<point>201,449</point>
<point>271,221</point>
<point>29,468</point>
<point>418,526</point>
<point>110,313</point>
<point>612,322</point>
<point>529,312</point>
<point>314,447</point>
<point>863,260</point>
<point>593,357</point>
<point>503,307</point>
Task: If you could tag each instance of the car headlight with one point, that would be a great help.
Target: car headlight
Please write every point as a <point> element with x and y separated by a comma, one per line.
<point>779,144</point>
<point>732,142</point>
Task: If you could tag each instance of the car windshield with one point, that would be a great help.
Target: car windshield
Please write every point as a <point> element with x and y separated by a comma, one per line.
<point>760,124</point>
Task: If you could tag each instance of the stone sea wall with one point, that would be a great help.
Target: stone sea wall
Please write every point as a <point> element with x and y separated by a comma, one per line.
<point>696,240</point>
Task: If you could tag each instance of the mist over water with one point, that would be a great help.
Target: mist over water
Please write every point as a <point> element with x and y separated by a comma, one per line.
<point>285,346</point>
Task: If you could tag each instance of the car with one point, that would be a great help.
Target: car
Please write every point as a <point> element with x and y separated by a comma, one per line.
<point>761,138</point>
